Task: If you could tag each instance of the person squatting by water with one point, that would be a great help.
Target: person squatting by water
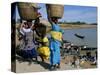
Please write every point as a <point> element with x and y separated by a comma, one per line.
<point>55,43</point>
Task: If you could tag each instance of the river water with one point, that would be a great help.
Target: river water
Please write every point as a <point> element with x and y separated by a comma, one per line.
<point>90,36</point>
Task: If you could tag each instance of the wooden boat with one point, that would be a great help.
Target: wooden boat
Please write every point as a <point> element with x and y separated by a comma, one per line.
<point>79,36</point>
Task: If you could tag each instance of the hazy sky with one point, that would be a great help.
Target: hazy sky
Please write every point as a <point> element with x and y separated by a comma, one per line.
<point>73,13</point>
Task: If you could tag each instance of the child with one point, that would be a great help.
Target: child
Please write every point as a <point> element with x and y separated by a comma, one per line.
<point>44,51</point>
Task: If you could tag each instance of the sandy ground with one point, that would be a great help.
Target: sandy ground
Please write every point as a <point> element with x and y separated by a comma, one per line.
<point>24,66</point>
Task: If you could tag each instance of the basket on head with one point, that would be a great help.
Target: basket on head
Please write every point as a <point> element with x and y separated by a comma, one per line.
<point>27,11</point>
<point>55,10</point>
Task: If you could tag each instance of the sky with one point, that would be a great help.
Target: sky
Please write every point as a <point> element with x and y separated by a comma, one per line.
<point>72,13</point>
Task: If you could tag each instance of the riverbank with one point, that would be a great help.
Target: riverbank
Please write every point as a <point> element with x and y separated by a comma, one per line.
<point>72,26</point>
<point>78,26</point>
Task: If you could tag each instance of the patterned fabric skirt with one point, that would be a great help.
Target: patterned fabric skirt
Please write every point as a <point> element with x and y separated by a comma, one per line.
<point>28,53</point>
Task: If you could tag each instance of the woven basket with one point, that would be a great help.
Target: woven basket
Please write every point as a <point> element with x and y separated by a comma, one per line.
<point>27,11</point>
<point>54,10</point>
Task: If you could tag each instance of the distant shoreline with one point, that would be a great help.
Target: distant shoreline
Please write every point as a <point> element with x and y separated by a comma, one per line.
<point>70,26</point>
<point>78,26</point>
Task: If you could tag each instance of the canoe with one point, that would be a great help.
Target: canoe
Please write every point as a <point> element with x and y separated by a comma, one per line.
<point>79,36</point>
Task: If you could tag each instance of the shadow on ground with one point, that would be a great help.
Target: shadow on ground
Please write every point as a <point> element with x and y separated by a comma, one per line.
<point>45,65</point>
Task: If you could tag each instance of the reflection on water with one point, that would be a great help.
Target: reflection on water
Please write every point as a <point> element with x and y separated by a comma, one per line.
<point>90,36</point>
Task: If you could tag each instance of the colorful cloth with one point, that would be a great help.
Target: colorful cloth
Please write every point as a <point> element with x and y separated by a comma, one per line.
<point>45,51</point>
<point>54,52</point>
<point>56,35</point>
<point>45,39</point>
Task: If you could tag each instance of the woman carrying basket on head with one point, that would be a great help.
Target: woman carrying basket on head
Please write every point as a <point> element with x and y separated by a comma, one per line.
<point>55,43</point>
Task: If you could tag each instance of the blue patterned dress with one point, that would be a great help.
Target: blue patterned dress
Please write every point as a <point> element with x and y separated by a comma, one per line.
<point>55,47</point>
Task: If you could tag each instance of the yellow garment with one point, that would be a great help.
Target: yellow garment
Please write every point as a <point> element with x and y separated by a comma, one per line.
<point>56,35</point>
<point>45,39</point>
<point>44,50</point>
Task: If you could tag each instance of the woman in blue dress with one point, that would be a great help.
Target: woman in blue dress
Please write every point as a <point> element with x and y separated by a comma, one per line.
<point>55,43</point>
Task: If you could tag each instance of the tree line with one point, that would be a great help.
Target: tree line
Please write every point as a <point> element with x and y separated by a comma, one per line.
<point>76,23</point>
